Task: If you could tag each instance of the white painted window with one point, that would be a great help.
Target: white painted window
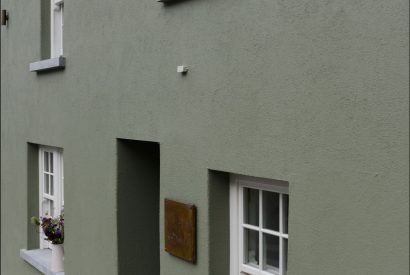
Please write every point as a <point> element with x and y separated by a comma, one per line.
<point>258,226</point>
<point>57,24</point>
<point>51,185</point>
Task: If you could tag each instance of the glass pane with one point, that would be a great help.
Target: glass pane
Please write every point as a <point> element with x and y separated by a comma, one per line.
<point>285,208</point>
<point>285,256</point>
<point>251,247</point>
<point>46,185</point>
<point>51,185</point>
<point>251,206</point>
<point>52,208</point>
<point>46,161</point>
<point>270,253</point>
<point>51,163</point>
<point>46,207</point>
<point>270,210</point>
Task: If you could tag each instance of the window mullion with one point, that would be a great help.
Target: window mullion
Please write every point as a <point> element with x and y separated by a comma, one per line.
<point>240,228</point>
<point>49,183</point>
<point>48,175</point>
<point>281,232</point>
<point>260,232</point>
<point>271,232</point>
<point>62,180</point>
<point>49,197</point>
<point>56,183</point>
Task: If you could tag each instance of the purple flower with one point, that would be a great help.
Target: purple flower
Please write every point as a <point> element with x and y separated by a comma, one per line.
<point>57,234</point>
<point>53,228</point>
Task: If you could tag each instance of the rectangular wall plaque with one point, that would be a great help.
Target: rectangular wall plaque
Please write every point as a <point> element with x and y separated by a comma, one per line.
<point>180,230</point>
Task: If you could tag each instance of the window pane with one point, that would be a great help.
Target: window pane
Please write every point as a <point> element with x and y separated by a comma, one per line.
<point>51,163</point>
<point>285,208</point>
<point>52,208</point>
<point>45,207</point>
<point>270,253</point>
<point>251,206</point>
<point>285,256</point>
<point>51,185</point>
<point>48,208</point>
<point>46,161</point>
<point>251,247</point>
<point>271,210</point>
<point>46,186</point>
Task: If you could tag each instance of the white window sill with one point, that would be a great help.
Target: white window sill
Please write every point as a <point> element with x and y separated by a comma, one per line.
<point>39,259</point>
<point>52,64</point>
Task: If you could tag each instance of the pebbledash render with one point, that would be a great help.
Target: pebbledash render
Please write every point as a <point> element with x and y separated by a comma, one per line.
<point>278,127</point>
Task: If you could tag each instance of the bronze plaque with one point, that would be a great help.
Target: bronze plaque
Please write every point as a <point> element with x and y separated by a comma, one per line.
<point>180,230</point>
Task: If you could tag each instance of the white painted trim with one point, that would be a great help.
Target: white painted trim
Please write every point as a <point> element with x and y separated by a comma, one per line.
<point>260,230</point>
<point>233,209</point>
<point>58,2</point>
<point>237,226</point>
<point>57,175</point>
<point>264,230</point>
<point>56,27</point>
<point>280,230</point>
<point>57,63</point>
<point>40,259</point>
<point>275,186</point>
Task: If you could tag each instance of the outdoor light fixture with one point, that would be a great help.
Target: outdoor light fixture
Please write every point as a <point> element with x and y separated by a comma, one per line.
<point>4,17</point>
<point>182,69</point>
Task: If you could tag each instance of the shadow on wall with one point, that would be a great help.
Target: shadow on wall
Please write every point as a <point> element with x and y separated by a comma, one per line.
<point>172,3</point>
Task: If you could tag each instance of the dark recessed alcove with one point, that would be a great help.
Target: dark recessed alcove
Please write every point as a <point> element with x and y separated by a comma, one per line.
<point>219,231</point>
<point>138,207</point>
<point>33,240</point>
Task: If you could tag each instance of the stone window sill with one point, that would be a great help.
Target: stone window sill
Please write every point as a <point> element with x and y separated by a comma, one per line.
<point>39,259</point>
<point>52,64</point>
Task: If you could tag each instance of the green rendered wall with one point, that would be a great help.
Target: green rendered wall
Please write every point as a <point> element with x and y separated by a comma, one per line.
<point>312,92</point>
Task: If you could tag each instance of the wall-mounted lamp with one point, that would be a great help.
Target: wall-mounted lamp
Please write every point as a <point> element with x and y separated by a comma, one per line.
<point>182,69</point>
<point>4,17</point>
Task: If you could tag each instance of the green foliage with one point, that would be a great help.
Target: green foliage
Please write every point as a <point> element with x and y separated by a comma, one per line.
<point>35,221</point>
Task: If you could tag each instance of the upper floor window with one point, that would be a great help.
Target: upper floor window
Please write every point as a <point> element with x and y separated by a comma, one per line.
<point>259,226</point>
<point>52,25</point>
<point>51,187</point>
<point>57,24</point>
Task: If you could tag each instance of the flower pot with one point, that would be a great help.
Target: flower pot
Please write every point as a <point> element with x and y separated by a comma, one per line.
<point>57,258</point>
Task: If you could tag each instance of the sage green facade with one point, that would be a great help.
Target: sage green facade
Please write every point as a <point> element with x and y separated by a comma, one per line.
<point>313,92</point>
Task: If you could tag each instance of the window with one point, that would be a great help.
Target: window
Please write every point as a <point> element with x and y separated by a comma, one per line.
<point>259,226</point>
<point>52,24</point>
<point>51,185</point>
<point>57,23</point>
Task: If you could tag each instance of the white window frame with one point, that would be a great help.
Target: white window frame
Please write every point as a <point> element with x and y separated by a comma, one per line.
<point>237,226</point>
<point>57,26</point>
<point>57,197</point>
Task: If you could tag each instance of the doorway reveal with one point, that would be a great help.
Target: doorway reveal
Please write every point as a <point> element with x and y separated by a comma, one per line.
<point>138,207</point>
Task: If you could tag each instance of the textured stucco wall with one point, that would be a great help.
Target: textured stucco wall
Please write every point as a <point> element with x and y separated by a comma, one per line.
<point>314,92</point>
